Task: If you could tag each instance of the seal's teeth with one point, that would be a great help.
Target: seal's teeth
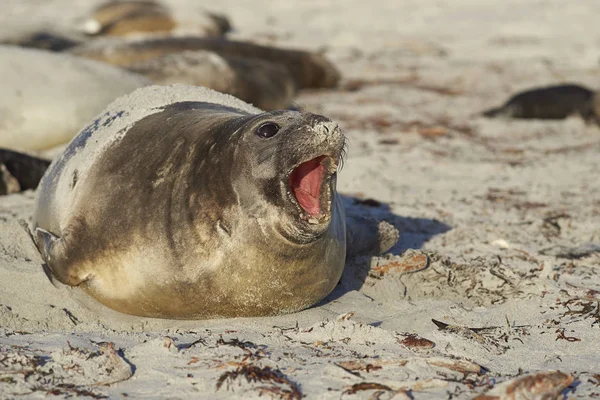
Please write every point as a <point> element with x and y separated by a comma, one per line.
<point>313,221</point>
<point>335,164</point>
<point>330,164</point>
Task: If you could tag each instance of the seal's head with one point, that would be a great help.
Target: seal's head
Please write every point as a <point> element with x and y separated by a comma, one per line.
<point>292,159</point>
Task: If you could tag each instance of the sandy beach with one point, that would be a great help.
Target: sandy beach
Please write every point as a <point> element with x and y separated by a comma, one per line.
<point>494,285</point>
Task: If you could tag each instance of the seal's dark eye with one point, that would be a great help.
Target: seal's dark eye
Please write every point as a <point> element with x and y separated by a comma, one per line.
<point>267,130</point>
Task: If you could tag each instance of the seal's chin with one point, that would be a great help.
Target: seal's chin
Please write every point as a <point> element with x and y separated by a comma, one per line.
<point>310,187</point>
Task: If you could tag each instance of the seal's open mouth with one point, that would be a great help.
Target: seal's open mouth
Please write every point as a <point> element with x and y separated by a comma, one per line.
<point>310,185</point>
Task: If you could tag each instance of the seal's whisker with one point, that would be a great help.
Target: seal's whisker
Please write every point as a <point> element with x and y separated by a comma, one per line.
<point>343,153</point>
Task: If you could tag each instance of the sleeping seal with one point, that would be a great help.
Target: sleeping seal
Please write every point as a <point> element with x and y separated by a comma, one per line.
<point>550,102</point>
<point>119,18</point>
<point>20,171</point>
<point>47,97</point>
<point>185,203</point>
<point>266,85</point>
<point>308,69</point>
<point>148,17</point>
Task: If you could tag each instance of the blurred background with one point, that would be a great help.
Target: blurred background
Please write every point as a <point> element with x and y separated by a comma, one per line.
<point>394,74</point>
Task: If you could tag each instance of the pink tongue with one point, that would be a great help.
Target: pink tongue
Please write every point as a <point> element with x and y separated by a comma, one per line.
<point>306,182</point>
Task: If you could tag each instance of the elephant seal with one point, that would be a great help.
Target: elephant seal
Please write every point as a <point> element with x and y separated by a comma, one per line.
<point>46,97</point>
<point>43,40</point>
<point>266,85</point>
<point>551,102</point>
<point>135,17</point>
<point>118,18</point>
<point>309,70</point>
<point>20,171</point>
<point>184,203</point>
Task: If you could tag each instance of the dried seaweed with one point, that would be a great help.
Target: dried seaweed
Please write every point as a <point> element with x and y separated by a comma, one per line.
<point>359,387</point>
<point>254,374</point>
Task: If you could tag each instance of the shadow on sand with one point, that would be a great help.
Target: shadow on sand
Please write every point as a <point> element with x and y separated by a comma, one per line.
<point>414,233</point>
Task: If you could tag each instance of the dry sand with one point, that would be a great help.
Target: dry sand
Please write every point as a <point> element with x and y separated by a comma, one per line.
<point>508,213</point>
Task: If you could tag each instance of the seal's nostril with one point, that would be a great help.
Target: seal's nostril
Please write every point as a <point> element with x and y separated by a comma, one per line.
<point>326,128</point>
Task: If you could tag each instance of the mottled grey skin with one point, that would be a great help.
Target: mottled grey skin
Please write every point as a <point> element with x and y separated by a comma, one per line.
<point>552,102</point>
<point>309,70</point>
<point>190,216</point>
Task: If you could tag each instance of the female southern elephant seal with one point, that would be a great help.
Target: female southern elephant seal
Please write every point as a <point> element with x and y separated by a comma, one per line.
<point>45,97</point>
<point>307,69</point>
<point>550,102</point>
<point>181,202</point>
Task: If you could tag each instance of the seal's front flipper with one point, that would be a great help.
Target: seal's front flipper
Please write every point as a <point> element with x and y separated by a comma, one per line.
<point>365,236</point>
<point>493,112</point>
<point>52,249</point>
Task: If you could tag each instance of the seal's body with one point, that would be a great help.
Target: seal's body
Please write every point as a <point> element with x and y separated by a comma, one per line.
<point>186,203</point>
<point>267,85</point>
<point>148,17</point>
<point>20,171</point>
<point>309,70</point>
<point>551,102</point>
<point>118,18</point>
<point>47,97</point>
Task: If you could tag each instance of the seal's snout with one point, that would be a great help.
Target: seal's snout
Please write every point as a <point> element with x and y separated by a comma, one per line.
<point>327,127</point>
<point>326,135</point>
<point>323,126</point>
<point>316,149</point>
<point>310,182</point>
